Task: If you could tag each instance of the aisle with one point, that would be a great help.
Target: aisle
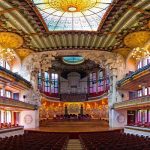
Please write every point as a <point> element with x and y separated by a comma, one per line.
<point>74,144</point>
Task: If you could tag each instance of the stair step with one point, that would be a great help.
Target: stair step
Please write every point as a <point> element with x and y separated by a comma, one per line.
<point>74,145</point>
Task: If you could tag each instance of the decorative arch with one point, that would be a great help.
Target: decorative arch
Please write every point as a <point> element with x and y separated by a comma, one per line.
<point>113,62</point>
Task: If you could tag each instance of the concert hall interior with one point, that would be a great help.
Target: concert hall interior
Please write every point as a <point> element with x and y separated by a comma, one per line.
<point>74,74</point>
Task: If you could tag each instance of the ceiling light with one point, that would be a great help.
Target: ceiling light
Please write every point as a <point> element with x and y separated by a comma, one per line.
<point>139,53</point>
<point>7,54</point>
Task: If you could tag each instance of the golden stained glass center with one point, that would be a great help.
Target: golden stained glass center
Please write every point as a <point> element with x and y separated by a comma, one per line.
<point>72,5</point>
<point>72,9</point>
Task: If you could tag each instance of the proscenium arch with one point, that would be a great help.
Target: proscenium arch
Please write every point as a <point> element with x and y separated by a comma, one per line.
<point>112,62</point>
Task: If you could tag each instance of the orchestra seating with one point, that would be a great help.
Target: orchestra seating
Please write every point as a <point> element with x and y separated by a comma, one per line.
<point>7,125</point>
<point>35,141</point>
<point>73,117</point>
<point>113,140</point>
<point>140,124</point>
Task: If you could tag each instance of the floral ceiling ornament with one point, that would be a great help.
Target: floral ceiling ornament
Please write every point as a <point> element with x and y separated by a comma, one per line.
<point>23,52</point>
<point>38,62</point>
<point>10,40</point>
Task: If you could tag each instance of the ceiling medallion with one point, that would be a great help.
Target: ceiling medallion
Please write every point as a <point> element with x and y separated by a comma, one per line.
<point>123,51</point>
<point>23,52</point>
<point>72,5</point>
<point>72,9</point>
<point>137,39</point>
<point>10,40</point>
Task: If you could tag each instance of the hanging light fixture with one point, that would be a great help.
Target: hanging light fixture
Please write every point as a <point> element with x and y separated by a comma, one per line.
<point>7,54</point>
<point>139,53</point>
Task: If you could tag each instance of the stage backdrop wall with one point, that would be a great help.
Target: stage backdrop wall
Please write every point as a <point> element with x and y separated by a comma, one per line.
<point>97,109</point>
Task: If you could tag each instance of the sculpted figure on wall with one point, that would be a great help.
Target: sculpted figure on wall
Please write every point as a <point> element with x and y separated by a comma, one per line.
<point>114,63</point>
<point>34,97</point>
<point>38,62</point>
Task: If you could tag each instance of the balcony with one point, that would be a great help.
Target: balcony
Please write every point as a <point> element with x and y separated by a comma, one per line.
<point>132,80</point>
<point>134,103</point>
<point>14,76</point>
<point>4,101</point>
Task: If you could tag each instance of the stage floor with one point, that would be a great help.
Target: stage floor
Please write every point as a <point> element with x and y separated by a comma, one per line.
<point>75,126</point>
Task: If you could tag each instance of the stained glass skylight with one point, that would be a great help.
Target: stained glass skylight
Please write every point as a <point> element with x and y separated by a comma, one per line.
<point>73,60</point>
<point>72,14</point>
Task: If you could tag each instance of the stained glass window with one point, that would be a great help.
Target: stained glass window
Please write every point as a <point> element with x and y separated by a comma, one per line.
<point>4,64</point>
<point>72,14</point>
<point>93,82</point>
<point>48,83</point>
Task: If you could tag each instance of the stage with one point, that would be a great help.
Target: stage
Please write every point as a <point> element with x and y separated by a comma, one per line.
<point>75,126</point>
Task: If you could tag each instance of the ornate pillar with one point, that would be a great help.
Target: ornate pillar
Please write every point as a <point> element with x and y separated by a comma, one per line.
<point>59,84</point>
<point>3,90</point>
<point>117,118</point>
<point>112,95</point>
<point>97,79</point>
<point>34,79</point>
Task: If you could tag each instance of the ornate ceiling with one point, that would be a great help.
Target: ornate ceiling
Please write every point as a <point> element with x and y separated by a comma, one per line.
<point>72,14</point>
<point>121,20</point>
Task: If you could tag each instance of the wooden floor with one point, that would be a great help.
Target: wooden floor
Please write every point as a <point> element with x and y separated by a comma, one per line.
<point>75,126</point>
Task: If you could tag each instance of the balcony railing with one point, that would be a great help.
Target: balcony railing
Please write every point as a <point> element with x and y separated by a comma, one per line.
<point>136,95</point>
<point>16,76</point>
<point>133,74</point>
<point>16,103</point>
<point>141,101</point>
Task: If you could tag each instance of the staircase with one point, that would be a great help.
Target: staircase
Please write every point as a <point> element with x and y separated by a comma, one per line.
<point>74,144</point>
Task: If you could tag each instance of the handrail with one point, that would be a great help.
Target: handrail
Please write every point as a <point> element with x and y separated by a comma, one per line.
<point>15,103</point>
<point>131,75</point>
<point>134,102</point>
<point>18,77</point>
<point>136,97</point>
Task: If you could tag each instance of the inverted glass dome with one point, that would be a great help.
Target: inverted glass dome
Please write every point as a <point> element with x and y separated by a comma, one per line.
<point>72,14</point>
<point>73,60</point>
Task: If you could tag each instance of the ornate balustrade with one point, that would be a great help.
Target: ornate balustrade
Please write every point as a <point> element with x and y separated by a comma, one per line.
<point>4,101</point>
<point>142,101</point>
<point>14,75</point>
<point>142,71</point>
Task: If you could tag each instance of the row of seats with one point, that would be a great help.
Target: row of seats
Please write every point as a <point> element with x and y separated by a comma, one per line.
<point>79,117</point>
<point>72,117</point>
<point>114,141</point>
<point>35,141</point>
<point>7,125</point>
<point>140,124</point>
